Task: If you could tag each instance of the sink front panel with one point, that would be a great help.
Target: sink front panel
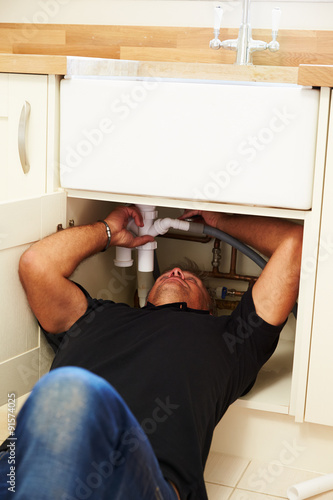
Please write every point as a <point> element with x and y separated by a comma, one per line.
<point>213,141</point>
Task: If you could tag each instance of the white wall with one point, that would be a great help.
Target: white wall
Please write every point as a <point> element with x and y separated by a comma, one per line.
<point>296,15</point>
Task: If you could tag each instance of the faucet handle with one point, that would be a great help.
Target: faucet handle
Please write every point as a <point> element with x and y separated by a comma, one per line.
<point>218,13</point>
<point>276,17</point>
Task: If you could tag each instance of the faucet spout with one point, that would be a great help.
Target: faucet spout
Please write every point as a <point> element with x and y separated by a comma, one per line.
<point>245,45</point>
<point>246,12</point>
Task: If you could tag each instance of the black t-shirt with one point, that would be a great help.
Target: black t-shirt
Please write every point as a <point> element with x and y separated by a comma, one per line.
<point>178,369</point>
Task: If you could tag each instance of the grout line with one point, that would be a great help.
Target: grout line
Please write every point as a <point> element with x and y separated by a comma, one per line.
<point>260,493</point>
<point>244,471</point>
<point>232,492</point>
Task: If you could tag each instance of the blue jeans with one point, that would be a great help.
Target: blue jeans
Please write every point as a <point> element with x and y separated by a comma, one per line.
<point>77,440</point>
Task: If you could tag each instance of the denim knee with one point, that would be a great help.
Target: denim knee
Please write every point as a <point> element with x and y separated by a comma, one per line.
<point>65,390</point>
<point>63,404</point>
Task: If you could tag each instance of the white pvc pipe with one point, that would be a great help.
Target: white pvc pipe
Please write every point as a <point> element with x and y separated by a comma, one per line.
<point>152,227</point>
<point>123,257</point>
<point>145,282</point>
<point>131,226</point>
<point>310,488</point>
<point>146,257</point>
<point>162,226</point>
<point>146,252</point>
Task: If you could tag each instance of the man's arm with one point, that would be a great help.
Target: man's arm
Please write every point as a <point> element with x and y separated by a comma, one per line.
<point>276,290</point>
<point>45,267</point>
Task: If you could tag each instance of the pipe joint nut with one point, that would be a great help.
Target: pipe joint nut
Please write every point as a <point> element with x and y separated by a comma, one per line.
<point>151,245</point>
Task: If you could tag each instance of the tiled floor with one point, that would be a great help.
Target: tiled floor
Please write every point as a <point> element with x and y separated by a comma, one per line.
<point>233,478</point>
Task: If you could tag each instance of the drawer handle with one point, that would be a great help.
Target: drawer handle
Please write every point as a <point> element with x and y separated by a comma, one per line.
<point>22,137</point>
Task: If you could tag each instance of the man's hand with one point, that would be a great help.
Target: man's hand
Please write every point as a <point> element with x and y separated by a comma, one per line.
<point>46,266</point>
<point>120,236</point>
<point>210,218</point>
<point>275,292</point>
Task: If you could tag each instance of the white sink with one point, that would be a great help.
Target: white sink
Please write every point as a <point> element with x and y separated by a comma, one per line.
<point>214,141</point>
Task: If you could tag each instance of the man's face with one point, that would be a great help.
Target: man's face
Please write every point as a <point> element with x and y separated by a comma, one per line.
<point>179,286</point>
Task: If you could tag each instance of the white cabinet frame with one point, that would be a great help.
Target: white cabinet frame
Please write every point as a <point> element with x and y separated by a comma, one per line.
<point>22,223</point>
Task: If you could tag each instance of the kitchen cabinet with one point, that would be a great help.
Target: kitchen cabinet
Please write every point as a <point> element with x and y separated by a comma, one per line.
<point>319,402</point>
<point>23,135</point>
<point>21,223</point>
<point>27,147</point>
<point>31,207</point>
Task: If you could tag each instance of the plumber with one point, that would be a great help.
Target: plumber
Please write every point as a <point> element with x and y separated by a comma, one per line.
<point>129,407</point>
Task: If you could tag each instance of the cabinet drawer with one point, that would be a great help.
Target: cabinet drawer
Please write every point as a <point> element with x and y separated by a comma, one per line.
<point>23,127</point>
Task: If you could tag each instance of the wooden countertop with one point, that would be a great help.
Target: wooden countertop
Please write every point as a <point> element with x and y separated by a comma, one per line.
<point>36,64</point>
<point>80,66</point>
<point>315,75</point>
<point>308,75</point>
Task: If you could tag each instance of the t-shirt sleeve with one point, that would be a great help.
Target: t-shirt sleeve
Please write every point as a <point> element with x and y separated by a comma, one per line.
<point>250,342</point>
<point>56,339</point>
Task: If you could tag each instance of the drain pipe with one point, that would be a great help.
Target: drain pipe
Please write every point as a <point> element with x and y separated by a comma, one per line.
<point>146,252</point>
<point>161,226</point>
<point>153,228</point>
<point>123,254</point>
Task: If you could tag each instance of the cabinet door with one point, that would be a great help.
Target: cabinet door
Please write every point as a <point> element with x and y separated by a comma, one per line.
<point>21,223</point>
<point>23,135</point>
<point>319,403</point>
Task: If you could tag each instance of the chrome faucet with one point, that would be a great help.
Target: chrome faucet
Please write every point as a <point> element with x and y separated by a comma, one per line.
<point>245,45</point>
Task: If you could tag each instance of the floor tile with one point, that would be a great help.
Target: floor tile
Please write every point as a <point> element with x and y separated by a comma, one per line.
<point>272,478</point>
<point>217,492</point>
<point>250,495</point>
<point>324,496</point>
<point>224,470</point>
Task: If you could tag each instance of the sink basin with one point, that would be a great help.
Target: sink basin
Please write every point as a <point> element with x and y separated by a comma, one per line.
<point>228,142</point>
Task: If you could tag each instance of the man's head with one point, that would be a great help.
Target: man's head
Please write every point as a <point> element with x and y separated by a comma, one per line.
<point>183,283</point>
